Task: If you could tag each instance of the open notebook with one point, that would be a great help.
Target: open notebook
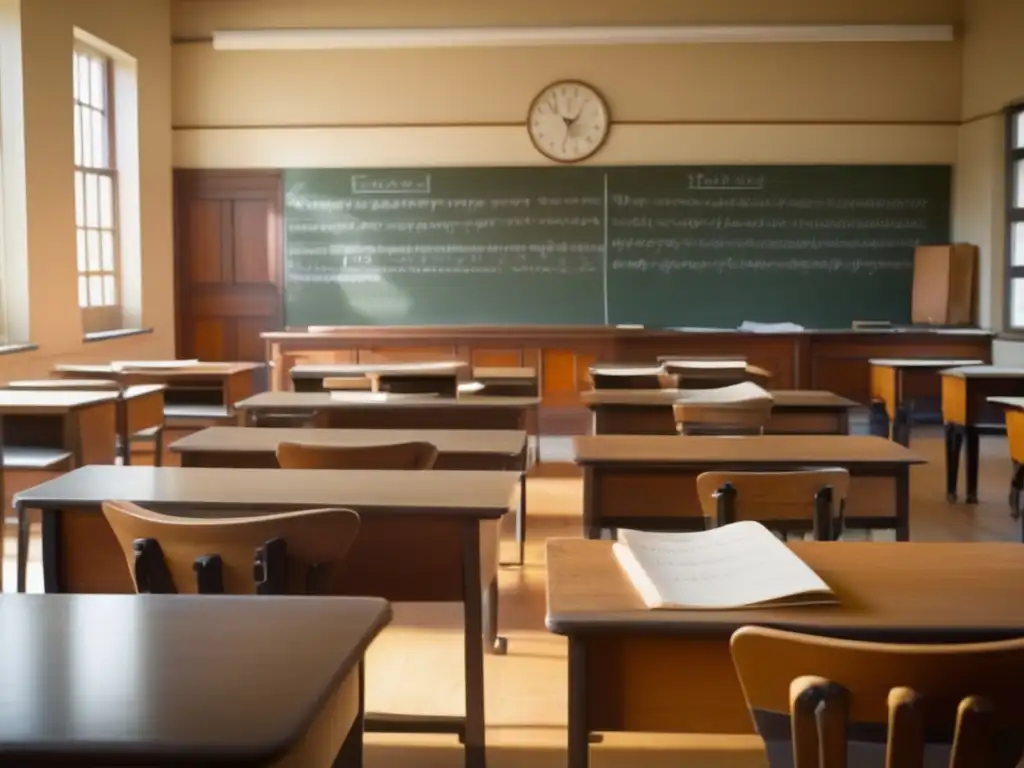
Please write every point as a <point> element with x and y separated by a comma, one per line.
<point>740,565</point>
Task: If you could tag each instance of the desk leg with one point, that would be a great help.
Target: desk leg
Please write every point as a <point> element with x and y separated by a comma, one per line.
<point>903,505</point>
<point>1016,484</point>
<point>954,439</point>
<point>493,643</point>
<point>472,606</point>
<point>591,503</point>
<point>22,553</point>
<point>521,519</point>
<point>879,420</point>
<point>971,434</point>
<point>901,425</point>
<point>351,753</point>
<point>579,736</point>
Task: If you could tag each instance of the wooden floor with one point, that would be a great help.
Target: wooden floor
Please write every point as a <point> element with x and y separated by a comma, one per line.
<point>416,666</point>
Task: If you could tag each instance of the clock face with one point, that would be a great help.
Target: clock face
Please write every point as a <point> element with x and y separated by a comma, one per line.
<point>568,121</point>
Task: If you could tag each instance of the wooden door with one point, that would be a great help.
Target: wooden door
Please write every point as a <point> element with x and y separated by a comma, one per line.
<point>229,266</point>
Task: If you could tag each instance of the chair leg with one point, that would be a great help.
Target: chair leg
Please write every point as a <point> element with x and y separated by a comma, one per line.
<point>158,448</point>
<point>953,443</point>
<point>1016,484</point>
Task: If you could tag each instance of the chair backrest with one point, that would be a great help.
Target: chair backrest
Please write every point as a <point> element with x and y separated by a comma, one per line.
<point>810,499</point>
<point>415,455</point>
<point>288,553</point>
<point>824,703</point>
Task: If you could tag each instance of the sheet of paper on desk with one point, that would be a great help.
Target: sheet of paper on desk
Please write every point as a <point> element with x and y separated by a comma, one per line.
<point>741,565</point>
<point>348,396</point>
<point>752,326</point>
<point>159,365</point>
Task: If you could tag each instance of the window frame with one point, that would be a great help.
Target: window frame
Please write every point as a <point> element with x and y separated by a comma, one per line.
<point>1014,213</point>
<point>100,317</point>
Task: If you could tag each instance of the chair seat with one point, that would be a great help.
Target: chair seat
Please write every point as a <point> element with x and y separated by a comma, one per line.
<point>151,433</point>
<point>23,457</point>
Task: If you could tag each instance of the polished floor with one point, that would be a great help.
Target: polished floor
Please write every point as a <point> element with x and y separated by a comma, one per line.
<point>416,666</point>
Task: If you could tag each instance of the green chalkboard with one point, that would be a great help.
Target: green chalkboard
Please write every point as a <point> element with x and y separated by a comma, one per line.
<point>657,245</point>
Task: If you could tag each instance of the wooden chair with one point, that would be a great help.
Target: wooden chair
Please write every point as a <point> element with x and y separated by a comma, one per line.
<point>416,455</point>
<point>289,553</point>
<point>825,703</point>
<point>811,499</point>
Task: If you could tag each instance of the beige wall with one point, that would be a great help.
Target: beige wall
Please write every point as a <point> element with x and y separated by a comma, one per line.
<point>141,28</point>
<point>993,77</point>
<point>714,103</point>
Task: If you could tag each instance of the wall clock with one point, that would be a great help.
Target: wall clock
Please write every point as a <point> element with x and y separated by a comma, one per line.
<point>568,121</point>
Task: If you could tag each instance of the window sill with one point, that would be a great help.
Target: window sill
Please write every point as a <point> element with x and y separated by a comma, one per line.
<point>13,349</point>
<point>1010,335</point>
<point>120,333</point>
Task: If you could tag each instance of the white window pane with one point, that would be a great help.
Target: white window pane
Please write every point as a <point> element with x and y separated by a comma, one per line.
<point>81,250</point>
<point>92,237</point>
<point>1017,244</point>
<point>1018,185</point>
<point>1018,130</point>
<point>98,85</point>
<point>109,295</point>
<point>106,202</point>
<point>87,160</point>
<point>95,291</point>
<point>107,239</point>
<point>79,199</point>
<point>83,79</point>
<point>92,200</point>
<point>78,135</point>
<point>83,294</point>
<point>99,140</point>
<point>74,74</point>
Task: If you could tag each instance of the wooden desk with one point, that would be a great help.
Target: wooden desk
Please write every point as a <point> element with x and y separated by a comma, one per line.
<point>649,412</point>
<point>140,408</point>
<point>708,373</point>
<point>441,527</point>
<point>438,377</point>
<point>617,377</point>
<point>465,412</point>
<point>832,360</point>
<point>173,680</point>
<point>507,381</point>
<point>1014,410</point>
<point>964,399</point>
<point>649,481</point>
<point>254,447</point>
<point>897,383</point>
<point>632,669</point>
<point>196,396</point>
<point>50,431</point>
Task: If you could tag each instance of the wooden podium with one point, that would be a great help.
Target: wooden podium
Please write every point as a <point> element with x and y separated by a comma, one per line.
<point>944,284</point>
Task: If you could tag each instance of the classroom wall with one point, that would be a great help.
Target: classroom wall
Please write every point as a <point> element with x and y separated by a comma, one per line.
<point>142,29</point>
<point>993,77</point>
<point>844,103</point>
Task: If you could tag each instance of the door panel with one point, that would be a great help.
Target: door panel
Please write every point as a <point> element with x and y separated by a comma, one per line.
<point>228,262</point>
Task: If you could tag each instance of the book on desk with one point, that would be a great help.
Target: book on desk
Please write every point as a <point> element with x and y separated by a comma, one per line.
<point>740,565</point>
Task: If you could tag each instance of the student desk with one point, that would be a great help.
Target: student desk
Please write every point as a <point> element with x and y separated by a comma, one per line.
<point>440,528</point>
<point>410,412</point>
<point>196,394</point>
<point>484,450</point>
<point>425,377</point>
<point>175,680</point>
<point>649,412</point>
<point>140,408</point>
<point>709,373</point>
<point>649,481</point>
<point>633,669</point>
<point>896,383</point>
<point>964,399</point>
<point>1014,409</point>
<point>47,431</point>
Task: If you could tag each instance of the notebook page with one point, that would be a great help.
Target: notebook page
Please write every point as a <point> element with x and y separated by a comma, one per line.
<point>736,565</point>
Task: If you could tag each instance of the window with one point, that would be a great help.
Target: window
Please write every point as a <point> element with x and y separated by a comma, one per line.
<point>1015,217</point>
<point>96,191</point>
